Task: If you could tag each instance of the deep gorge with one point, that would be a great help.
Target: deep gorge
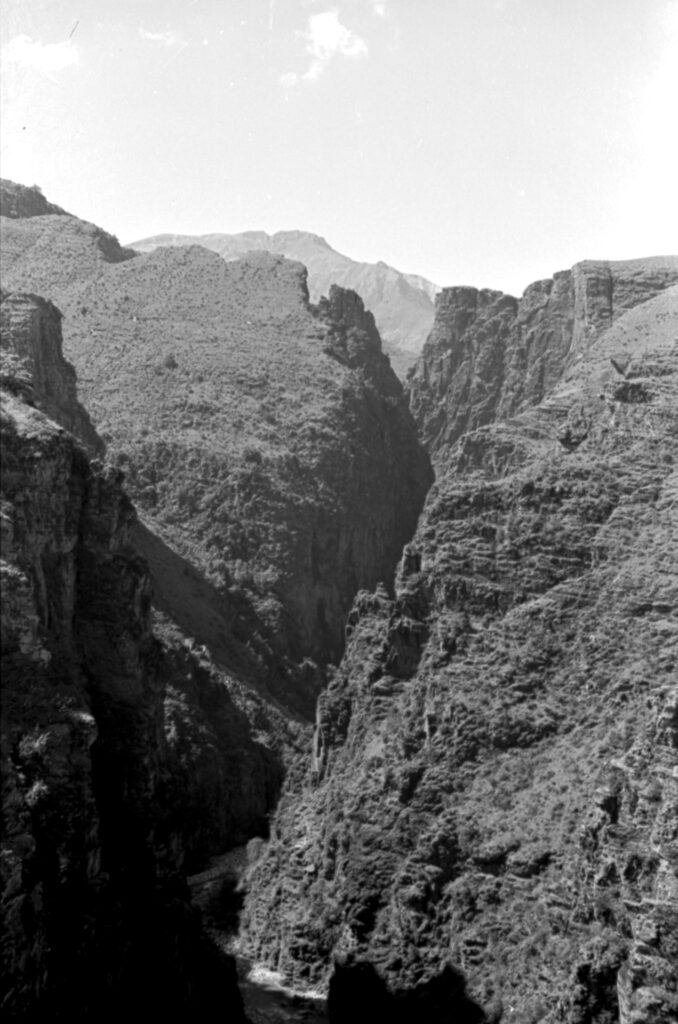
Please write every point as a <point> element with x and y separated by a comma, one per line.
<point>441,717</point>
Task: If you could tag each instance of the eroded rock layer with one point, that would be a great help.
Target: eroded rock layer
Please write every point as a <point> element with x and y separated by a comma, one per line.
<point>493,784</point>
<point>32,364</point>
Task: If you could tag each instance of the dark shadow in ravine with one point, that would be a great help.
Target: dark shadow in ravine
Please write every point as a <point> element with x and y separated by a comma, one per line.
<point>358,995</point>
<point>227,624</point>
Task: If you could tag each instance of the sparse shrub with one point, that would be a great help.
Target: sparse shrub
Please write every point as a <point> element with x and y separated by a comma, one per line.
<point>252,455</point>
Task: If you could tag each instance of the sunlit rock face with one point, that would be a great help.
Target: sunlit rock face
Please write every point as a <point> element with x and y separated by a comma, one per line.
<point>32,364</point>
<point>490,355</point>
<point>493,781</point>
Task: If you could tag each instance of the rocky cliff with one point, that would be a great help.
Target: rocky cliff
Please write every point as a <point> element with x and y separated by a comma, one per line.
<point>490,355</point>
<point>32,364</point>
<point>96,918</point>
<point>266,442</point>
<point>128,755</point>
<point>487,826</point>
<point>402,304</point>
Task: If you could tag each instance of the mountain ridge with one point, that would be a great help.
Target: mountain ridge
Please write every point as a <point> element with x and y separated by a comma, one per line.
<point>483,823</point>
<point>402,303</point>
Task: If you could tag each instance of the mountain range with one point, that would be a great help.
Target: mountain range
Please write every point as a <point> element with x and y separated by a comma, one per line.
<point>382,680</point>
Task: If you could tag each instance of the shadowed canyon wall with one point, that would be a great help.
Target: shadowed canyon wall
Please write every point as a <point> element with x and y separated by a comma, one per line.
<point>157,727</point>
<point>96,919</point>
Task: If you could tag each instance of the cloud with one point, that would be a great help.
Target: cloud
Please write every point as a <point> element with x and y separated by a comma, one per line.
<point>379,7</point>
<point>168,38</point>
<point>45,58</point>
<point>326,38</point>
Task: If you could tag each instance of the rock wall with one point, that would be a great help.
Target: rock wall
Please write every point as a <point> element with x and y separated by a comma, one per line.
<point>492,786</point>
<point>95,916</point>
<point>32,363</point>
<point>265,441</point>
<point>490,355</point>
<point>128,756</point>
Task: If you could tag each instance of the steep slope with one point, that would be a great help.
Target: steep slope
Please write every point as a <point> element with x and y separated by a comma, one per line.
<point>37,248</point>
<point>490,354</point>
<point>402,304</point>
<point>128,755</point>
<point>95,916</point>
<point>224,747</point>
<point>265,441</point>
<point>493,785</point>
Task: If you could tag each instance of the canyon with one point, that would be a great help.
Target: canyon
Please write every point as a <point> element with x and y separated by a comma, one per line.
<point>492,787</point>
<point>238,611</point>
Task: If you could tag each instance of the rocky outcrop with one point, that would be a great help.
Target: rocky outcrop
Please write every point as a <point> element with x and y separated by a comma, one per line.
<point>492,782</point>
<point>95,916</point>
<point>24,201</point>
<point>490,355</point>
<point>32,364</point>
<point>266,442</point>
<point>402,304</point>
<point>353,338</point>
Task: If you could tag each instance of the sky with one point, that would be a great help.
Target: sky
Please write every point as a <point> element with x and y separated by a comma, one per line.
<point>480,142</point>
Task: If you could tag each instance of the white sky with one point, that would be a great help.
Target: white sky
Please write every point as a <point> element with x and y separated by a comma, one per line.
<point>486,142</point>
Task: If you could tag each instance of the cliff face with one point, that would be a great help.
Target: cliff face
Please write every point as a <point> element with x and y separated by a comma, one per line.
<point>128,755</point>
<point>493,784</point>
<point>265,441</point>
<point>32,363</point>
<point>486,826</point>
<point>490,355</point>
<point>95,917</point>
